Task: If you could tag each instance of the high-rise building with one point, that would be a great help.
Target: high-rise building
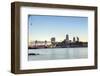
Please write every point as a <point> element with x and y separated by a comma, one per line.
<point>73,39</point>
<point>67,37</point>
<point>53,40</point>
<point>77,39</point>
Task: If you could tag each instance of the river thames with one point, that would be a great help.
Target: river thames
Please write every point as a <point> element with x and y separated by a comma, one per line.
<point>58,53</point>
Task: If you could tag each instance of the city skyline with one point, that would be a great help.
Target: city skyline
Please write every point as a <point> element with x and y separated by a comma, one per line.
<point>65,43</point>
<point>76,38</point>
<point>43,27</point>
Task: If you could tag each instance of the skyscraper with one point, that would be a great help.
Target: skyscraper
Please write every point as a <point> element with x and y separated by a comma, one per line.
<point>67,37</point>
<point>53,41</point>
<point>77,39</point>
<point>73,39</point>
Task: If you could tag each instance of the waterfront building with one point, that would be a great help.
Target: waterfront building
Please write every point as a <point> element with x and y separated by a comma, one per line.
<point>67,37</point>
<point>73,39</point>
<point>53,41</point>
<point>77,39</point>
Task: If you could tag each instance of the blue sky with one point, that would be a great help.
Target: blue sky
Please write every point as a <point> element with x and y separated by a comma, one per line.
<point>42,27</point>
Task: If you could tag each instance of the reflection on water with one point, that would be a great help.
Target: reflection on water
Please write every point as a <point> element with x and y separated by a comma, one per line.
<point>58,53</point>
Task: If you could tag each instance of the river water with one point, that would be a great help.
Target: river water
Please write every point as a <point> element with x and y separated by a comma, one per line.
<point>58,53</point>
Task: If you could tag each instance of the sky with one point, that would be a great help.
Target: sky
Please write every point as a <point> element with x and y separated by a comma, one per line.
<point>44,27</point>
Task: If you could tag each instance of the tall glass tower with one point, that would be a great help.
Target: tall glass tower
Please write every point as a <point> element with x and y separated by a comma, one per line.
<point>67,37</point>
<point>73,39</point>
<point>78,39</point>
